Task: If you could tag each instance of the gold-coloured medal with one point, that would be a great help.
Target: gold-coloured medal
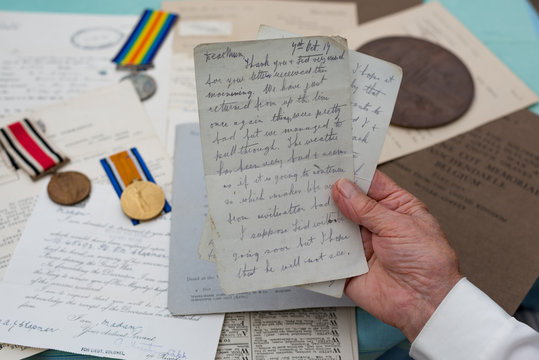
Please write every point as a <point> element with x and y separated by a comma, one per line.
<point>142,200</point>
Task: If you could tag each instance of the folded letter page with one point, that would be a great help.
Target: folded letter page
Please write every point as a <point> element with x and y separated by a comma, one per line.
<point>276,132</point>
<point>374,87</point>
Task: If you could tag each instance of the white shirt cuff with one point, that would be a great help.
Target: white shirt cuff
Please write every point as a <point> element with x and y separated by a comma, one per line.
<point>462,327</point>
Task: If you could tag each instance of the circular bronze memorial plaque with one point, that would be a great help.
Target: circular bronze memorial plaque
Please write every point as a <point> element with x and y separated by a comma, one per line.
<point>436,88</point>
<point>142,200</point>
<point>68,188</point>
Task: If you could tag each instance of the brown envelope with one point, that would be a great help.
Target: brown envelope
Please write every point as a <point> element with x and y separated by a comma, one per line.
<point>371,9</point>
<point>483,187</point>
<point>535,3</point>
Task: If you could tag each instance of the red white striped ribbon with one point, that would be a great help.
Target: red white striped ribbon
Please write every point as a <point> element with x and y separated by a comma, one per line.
<point>29,149</point>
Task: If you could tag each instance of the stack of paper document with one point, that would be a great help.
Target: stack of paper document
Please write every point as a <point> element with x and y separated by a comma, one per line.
<point>84,279</point>
<point>79,290</point>
<point>280,121</point>
<point>193,282</point>
<point>253,226</point>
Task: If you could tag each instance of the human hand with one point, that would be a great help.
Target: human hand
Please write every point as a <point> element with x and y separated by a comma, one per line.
<point>411,265</point>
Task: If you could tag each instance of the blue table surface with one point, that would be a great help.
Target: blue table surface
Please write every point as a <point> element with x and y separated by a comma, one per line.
<point>510,29</point>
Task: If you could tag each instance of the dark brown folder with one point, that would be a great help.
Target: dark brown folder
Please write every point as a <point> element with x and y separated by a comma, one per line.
<point>535,4</point>
<point>483,187</point>
<point>371,9</point>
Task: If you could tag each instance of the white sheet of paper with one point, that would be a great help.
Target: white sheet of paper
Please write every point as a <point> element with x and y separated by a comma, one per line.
<point>375,85</point>
<point>92,126</point>
<point>87,128</point>
<point>220,21</point>
<point>85,280</point>
<point>203,22</point>
<point>193,283</point>
<point>182,106</point>
<point>204,28</point>
<point>276,133</point>
<point>17,352</point>
<point>47,58</point>
<point>498,91</point>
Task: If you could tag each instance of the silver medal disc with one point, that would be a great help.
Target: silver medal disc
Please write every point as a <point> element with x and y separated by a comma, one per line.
<point>144,84</point>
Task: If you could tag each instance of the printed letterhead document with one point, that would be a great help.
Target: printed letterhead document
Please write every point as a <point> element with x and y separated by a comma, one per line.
<point>47,58</point>
<point>43,65</point>
<point>276,128</point>
<point>193,283</point>
<point>85,280</point>
<point>86,129</point>
<point>498,91</point>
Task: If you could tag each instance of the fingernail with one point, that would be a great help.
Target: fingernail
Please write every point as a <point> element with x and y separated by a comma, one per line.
<point>347,188</point>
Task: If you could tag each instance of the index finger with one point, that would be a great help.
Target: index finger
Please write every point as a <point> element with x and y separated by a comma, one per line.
<point>384,190</point>
<point>382,186</point>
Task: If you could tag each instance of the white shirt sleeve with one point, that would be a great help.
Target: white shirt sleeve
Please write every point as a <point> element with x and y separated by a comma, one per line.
<point>470,325</point>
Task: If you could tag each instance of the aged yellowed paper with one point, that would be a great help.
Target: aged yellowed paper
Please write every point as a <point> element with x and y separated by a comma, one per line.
<point>276,133</point>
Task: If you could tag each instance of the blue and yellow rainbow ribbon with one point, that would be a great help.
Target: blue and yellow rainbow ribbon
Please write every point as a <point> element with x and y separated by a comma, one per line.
<point>146,38</point>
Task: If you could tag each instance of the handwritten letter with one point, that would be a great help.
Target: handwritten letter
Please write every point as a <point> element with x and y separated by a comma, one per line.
<point>193,283</point>
<point>84,280</point>
<point>375,84</point>
<point>276,131</point>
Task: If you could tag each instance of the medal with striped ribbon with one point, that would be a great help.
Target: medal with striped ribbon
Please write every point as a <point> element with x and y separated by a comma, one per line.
<point>140,48</point>
<point>145,39</point>
<point>27,148</point>
<point>140,197</point>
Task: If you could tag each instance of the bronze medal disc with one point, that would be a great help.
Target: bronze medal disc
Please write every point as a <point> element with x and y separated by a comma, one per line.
<point>436,88</point>
<point>69,187</point>
<point>142,200</point>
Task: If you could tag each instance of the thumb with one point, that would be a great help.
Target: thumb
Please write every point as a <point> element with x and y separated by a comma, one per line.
<point>360,208</point>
